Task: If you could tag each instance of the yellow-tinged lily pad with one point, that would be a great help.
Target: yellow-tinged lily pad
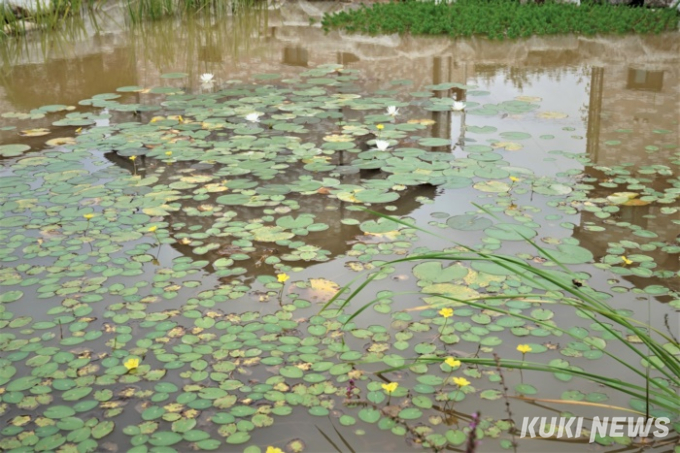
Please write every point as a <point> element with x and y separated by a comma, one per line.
<point>636,202</point>
<point>322,284</point>
<point>552,115</point>
<point>159,210</point>
<point>34,132</point>
<point>508,146</point>
<point>347,196</point>
<point>335,138</point>
<point>322,288</point>
<point>60,141</point>
<point>386,235</point>
<point>528,98</point>
<point>482,279</point>
<point>492,186</point>
<point>271,234</point>
<point>355,130</point>
<point>621,198</point>
<point>215,187</point>
<point>20,420</point>
<point>424,121</point>
<point>196,178</point>
<point>461,292</point>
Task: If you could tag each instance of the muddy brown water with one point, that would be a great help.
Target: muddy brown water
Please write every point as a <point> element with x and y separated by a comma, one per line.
<point>601,84</point>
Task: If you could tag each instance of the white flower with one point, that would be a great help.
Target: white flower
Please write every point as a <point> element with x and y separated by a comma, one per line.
<point>253,117</point>
<point>382,145</point>
<point>458,106</point>
<point>392,110</point>
<point>206,78</point>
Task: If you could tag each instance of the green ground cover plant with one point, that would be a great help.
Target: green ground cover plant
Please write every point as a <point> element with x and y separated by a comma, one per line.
<point>500,19</point>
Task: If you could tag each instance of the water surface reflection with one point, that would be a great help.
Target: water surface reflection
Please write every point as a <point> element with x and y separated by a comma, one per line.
<point>612,100</point>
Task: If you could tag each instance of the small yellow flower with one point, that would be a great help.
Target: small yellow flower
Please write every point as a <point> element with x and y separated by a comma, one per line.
<point>181,120</point>
<point>626,261</point>
<point>390,388</point>
<point>446,312</point>
<point>514,179</point>
<point>453,363</point>
<point>168,153</point>
<point>132,158</point>
<point>153,228</point>
<point>461,381</point>
<point>88,216</point>
<point>380,127</point>
<point>273,450</point>
<point>524,348</point>
<point>131,364</point>
<point>282,277</point>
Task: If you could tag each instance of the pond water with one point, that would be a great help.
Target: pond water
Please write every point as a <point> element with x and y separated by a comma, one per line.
<point>145,217</point>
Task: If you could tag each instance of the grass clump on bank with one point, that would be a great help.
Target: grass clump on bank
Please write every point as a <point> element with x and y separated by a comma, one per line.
<point>44,15</point>
<point>141,10</point>
<point>499,19</point>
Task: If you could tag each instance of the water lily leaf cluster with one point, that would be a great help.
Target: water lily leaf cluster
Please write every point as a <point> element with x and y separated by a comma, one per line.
<point>164,261</point>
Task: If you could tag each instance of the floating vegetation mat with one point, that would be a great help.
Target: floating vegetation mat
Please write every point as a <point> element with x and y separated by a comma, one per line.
<point>162,285</point>
<point>501,19</point>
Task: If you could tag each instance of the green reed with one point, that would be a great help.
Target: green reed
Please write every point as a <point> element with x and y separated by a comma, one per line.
<point>47,15</point>
<point>643,342</point>
<point>142,10</point>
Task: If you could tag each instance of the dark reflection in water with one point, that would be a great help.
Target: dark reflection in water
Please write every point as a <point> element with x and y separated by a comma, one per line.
<point>59,81</point>
<point>295,56</point>
<point>337,239</point>
<point>631,82</point>
<point>633,119</point>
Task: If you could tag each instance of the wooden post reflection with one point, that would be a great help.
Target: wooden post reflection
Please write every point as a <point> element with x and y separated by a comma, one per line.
<point>594,113</point>
<point>449,125</point>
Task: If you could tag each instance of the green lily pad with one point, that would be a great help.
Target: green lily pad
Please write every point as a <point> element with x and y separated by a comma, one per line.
<point>468,222</point>
<point>434,142</point>
<point>510,232</point>
<point>174,75</point>
<point>13,150</point>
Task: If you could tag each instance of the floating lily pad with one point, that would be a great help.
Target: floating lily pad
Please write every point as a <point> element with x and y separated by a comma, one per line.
<point>174,75</point>
<point>13,150</point>
<point>160,274</point>
<point>468,222</point>
<point>515,135</point>
<point>433,141</point>
<point>492,186</point>
<point>481,129</point>
<point>510,232</point>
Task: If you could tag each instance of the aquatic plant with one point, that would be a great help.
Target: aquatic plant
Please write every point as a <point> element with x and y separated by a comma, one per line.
<point>458,106</point>
<point>500,19</point>
<point>177,259</point>
<point>655,348</point>
<point>141,10</point>
<point>48,14</point>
